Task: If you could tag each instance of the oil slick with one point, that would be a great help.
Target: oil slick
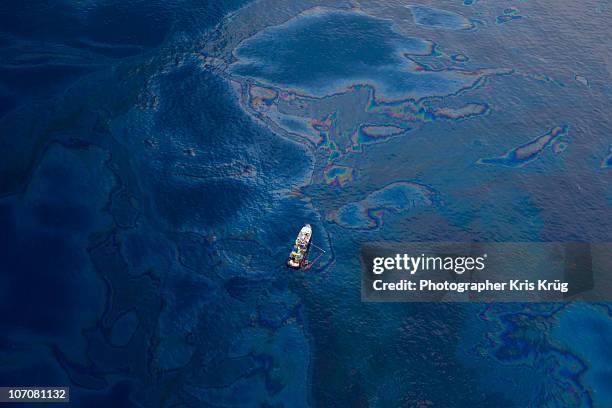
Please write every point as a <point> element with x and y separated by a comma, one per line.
<point>399,198</point>
<point>524,154</point>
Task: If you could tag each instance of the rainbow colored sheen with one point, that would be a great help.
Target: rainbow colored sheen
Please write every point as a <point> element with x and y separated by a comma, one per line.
<point>543,337</point>
<point>528,152</point>
<point>510,13</point>
<point>506,18</point>
<point>464,112</point>
<point>369,134</point>
<point>259,95</point>
<point>338,175</point>
<point>408,110</point>
<point>460,58</point>
<point>396,198</point>
<point>416,112</point>
<point>591,353</point>
<point>334,152</point>
<point>583,80</point>
<point>404,115</point>
<point>560,144</point>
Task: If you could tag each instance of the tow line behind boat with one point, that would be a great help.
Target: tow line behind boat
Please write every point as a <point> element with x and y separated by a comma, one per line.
<point>298,258</point>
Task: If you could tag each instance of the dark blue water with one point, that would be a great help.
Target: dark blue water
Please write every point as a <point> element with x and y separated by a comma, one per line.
<point>324,52</point>
<point>155,167</point>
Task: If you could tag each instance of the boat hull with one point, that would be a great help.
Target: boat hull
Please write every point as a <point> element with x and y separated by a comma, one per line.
<point>298,256</point>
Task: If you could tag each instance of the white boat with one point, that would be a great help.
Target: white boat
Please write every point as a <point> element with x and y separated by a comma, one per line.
<point>297,258</point>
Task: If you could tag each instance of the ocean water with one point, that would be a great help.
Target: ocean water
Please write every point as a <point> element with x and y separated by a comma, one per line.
<point>158,158</point>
